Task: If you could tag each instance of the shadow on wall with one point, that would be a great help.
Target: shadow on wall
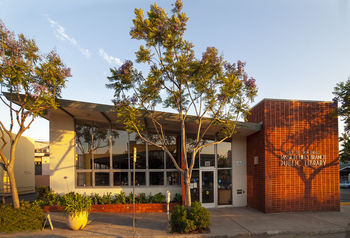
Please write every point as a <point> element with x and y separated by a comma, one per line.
<point>301,136</point>
<point>24,167</point>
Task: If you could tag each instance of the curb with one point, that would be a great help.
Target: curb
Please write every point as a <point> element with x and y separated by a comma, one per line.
<point>345,203</point>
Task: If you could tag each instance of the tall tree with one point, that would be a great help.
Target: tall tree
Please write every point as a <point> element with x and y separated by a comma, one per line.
<point>216,92</point>
<point>342,99</point>
<point>33,82</point>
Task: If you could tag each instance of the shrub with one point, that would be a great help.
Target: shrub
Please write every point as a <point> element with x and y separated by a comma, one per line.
<point>43,191</point>
<point>119,198</point>
<point>141,198</point>
<point>179,221</point>
<point>158,198</point>
<point>200,216</point>
<point>26,218</point>
<point>177,198</point>
<point>193,219</point>
<point>75,203</point>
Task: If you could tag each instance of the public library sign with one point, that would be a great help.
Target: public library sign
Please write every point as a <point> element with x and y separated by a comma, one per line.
<point>302,158</point>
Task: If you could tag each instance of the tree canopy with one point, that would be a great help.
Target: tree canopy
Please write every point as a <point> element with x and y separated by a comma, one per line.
<point>212,90</point>
<point>33,81</point>
<point>342,99</point>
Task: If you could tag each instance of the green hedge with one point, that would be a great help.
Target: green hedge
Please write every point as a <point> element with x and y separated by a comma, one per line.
<point>26,218</point>
<point>50,198</point>
<point>193,219</point>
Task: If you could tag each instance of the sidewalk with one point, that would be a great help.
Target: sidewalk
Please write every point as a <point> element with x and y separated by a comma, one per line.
<point>225,222</point>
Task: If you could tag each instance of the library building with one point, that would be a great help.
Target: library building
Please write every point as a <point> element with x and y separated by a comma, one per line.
<point>284,158</point>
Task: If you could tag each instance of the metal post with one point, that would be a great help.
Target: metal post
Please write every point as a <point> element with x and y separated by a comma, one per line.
<point>133,192</point>
<point>167,204</point>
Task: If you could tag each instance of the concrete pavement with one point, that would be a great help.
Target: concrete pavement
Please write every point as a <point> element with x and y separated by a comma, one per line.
<point>225,222</point>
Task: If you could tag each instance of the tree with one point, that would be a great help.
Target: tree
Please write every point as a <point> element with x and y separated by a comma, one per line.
<point>33,82</point>
<point>216,92</point>
<point>342,99</point>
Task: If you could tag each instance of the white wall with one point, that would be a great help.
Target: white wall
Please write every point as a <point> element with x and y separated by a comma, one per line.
<point>24,166</point>
<point>239,171</point>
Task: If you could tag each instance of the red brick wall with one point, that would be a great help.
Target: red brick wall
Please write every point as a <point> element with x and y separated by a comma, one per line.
<point>299,131</point>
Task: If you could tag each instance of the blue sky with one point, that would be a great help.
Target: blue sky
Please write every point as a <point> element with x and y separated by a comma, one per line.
<point>296,49</point>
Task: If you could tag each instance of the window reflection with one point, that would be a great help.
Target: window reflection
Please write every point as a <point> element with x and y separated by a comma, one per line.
<point>207,155</point>
<point>224,154</point>
<point>119,149</point>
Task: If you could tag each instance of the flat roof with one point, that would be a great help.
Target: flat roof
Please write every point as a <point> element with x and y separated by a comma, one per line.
<point>86,111</point>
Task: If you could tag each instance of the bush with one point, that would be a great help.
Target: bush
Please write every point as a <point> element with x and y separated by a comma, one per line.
<point>193,219</point>
<point>119,198</point>
<point>43,191</point>
<point>157,198</point>
<point>75,203</point>
<point>200,216</point>
<point>26,218</point>
<point>177,198</point>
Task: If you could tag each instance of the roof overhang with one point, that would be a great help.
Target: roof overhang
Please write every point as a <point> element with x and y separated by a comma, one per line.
<point>102,113</point>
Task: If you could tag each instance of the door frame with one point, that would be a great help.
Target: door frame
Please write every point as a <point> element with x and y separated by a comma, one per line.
<point>208,169</point>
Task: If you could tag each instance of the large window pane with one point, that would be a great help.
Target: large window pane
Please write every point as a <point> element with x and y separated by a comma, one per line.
<point>207,155</point>
<point>101,179</point>
<point>101,148</point>
<point>190,145</point>
<point>171,145</point>
<point>140,178</point>
<point>140,152</point>
<point>92,140</point>
<point>120,149</point>
<point>173,178</point>
<point>156,178</point>
<point>224,187</point>
<point>195,186</point>
<point>224,154</point>
<point>120,179</point>
<point>155,157</point>
<point>84,144</point>
<point>84,179</point>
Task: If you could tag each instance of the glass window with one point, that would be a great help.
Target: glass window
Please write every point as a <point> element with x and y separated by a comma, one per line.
<point>207,155</point>
<point>140,178</point>
<point>140,152</point>
<point>119,149</point>
<point>101,146</point>
<point>171,145</point>
<point>84,145</point>
<point>84,179</point>
<point>224,187</point>
<point>173,178</point>
<point>156,178</point>
<point>155,157</point>
<point>195,186</point>
<point>190,143</point>
<point>120,178</point>
<point>224,155</point>
<point>102,179</point>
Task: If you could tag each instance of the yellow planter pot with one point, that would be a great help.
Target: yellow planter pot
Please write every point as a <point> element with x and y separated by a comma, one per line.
<point>77,221</point>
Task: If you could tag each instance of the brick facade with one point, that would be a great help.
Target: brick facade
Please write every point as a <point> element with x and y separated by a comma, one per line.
<point>297,150</point>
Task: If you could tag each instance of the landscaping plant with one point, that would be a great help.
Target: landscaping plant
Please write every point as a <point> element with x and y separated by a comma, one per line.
<point>28,217</point>
<point>193,219</point>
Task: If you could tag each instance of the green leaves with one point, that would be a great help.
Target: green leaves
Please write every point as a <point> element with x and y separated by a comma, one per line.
<point>24,70</point>
<point>208,87</point>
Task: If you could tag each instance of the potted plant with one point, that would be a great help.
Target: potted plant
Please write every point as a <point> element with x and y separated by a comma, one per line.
<point>77,207</point>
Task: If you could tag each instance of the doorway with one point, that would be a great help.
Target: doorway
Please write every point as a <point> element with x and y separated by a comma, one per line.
<point>207,185</point>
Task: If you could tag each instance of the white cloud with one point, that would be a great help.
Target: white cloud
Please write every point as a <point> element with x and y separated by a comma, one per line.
<point>110,59</point>
<point>61,34</point>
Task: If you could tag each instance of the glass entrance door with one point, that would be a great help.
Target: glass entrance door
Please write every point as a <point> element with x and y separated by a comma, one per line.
<point>207,187</point>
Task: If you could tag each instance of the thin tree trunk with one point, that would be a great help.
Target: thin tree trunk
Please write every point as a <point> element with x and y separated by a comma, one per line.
<point>11,174</point>
<point>188,189</point>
